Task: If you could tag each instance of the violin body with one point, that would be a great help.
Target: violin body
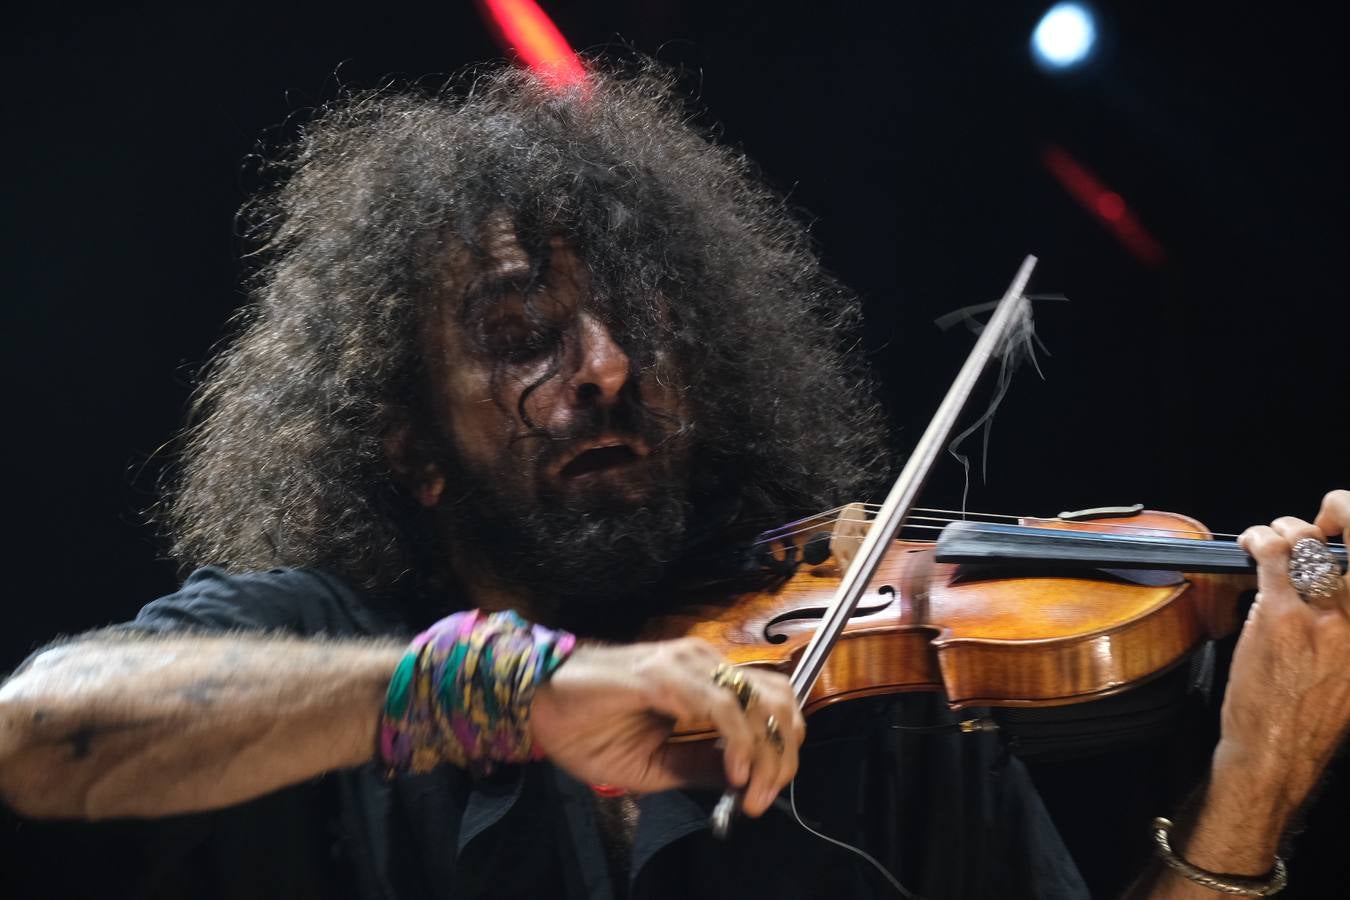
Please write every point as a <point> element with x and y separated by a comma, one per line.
<point>986,635</point>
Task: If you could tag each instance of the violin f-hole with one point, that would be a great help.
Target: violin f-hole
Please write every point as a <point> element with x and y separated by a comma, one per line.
<point>774,635</point>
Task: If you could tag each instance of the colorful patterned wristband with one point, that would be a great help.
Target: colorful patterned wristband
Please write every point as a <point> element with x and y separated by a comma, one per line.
<point>462,692</point>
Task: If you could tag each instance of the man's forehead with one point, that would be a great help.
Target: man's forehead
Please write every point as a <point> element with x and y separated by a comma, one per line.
<point>494,256</point>
<point>498,262</point>
<point>503,254</point>
<point>499,257</point>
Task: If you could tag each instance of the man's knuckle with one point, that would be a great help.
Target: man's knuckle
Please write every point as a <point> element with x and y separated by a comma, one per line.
<point>1286,622</point>
<point>689,650</point>
<point>1262,541</point>
<point>725,705</point>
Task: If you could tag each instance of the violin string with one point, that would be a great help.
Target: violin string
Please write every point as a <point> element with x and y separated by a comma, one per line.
<point>913,525</point>
<point>787,534</point>
<point>1109,526</point>
<point>820,516</point>
<point>949,515</point>
<point>860,537</point>
<point>952,515</point>
<point>857,851</point>
<point>827,519</point>
<point>814,522</point>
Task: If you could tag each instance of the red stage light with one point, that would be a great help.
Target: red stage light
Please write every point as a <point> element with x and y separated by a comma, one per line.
<point>1111,206</point>
<point>1104,203</point>
<point>522,26</point>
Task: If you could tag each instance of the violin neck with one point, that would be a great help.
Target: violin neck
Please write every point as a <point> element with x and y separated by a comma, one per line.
<point>986,542</point>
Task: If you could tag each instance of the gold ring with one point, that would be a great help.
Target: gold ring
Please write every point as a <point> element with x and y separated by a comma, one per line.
<point>772,732</point>
<point>730,677</point>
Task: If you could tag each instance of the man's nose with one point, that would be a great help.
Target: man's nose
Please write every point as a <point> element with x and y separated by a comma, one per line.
<point>603,368</point>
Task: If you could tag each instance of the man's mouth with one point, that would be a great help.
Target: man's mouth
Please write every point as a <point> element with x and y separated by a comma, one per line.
<point>599,459</point>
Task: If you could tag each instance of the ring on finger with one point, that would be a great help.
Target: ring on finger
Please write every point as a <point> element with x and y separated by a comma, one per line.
<point>774,734</point>
<point>1313,569</point>
<point>731,678</point>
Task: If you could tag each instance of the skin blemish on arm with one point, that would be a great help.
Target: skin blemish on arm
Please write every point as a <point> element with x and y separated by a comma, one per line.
<point>204,691</point>
<point>82,739</point>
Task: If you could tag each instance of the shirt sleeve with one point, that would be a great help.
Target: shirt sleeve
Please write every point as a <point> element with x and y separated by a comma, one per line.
<point>296,601</point>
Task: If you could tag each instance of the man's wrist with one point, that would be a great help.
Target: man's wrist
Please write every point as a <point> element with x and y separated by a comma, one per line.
<point>1253,782</point>
<point>463,692</point>
<point>1266,885</point>
<point>1238,826</point>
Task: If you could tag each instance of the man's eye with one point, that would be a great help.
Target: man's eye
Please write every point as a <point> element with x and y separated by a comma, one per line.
<point>517,340</point>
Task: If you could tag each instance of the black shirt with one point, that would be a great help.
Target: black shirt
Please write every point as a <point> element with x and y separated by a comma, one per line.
<point>950,814</point>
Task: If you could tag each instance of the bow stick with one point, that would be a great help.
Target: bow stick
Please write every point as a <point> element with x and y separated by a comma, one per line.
<point>1012,311</point>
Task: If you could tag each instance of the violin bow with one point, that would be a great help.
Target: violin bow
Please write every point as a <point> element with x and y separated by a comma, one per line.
<point>1012,312</point>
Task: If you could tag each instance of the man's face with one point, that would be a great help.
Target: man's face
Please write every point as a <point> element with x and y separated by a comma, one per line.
<point>556,441</point>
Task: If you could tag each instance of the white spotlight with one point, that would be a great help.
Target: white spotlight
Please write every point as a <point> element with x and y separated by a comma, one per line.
<point>1065,36</point>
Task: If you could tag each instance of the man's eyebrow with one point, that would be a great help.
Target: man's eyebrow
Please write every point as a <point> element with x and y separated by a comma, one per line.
<point>489,286</point>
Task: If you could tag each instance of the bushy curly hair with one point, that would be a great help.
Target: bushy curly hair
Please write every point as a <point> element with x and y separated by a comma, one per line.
<point>285,461</point>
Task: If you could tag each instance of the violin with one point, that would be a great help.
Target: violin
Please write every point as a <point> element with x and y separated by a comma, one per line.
<point>1044,612</point>
<point>1115,598</point>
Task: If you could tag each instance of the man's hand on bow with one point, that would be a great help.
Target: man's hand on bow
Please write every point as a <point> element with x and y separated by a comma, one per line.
<point>606,714</point>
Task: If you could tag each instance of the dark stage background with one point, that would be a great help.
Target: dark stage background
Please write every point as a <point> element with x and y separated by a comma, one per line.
<point>913,135</point>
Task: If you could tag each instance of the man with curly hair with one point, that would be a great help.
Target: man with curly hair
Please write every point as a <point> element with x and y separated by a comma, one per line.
<point>521,364</point>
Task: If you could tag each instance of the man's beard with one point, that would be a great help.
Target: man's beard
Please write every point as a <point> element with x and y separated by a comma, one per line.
<point>590,562</point>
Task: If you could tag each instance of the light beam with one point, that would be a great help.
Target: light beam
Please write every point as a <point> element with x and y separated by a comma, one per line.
<point>524,27</point>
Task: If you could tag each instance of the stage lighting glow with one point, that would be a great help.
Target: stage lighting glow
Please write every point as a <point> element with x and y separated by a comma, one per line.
<point>1065,36</point>
<point>523,26</point>
<point>1108,206</point>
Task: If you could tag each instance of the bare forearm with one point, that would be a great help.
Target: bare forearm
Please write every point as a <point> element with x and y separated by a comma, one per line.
<point>1235,831</point>
<point>1287,704</point>
<point>117,725</point>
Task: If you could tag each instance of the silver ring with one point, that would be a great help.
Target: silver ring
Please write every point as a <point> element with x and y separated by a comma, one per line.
<point>1313,569</point>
